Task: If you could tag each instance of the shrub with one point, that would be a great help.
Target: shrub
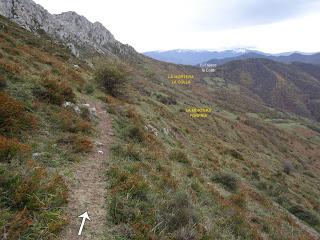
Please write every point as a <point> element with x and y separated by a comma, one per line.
<point>179,156</point>
<point>239,199</point>
<point>186,233</point>
<point>35,197</point>
<point>179,213</point>
<point>135,133</point>
<point>68,121</point>
<point>110,77</point>
<point>227,180</point>
<point>10,67</point>
<point>89,88</point>
<point>85,113</point>
<point>304,215</point>
<point>132,152</point>
<point>12,148</point>
<point>167,100</point>
<point>234,153</point>
<point>121,210</point>
<point>83,126</point>
<point>13,117</point>
<point>239,227</point>
<point>3,82</point>
<point>287,167</point>
<point>19,224</point>
<point>78,144</point>
<point>82,144</point>
<point>54,92</point>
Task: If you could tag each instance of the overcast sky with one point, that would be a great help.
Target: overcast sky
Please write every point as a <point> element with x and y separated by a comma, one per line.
<point>266,25</point>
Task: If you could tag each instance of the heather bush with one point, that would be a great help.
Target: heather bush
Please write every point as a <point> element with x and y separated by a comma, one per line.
<point>34,198</point>
<point>54,92</point>
<point>239,200</point>
<point>81,144</point>
<point>68,121</point>
<point>12,148</point>
<point>78,143</point>
<point>14,118</point>
<point>10,67</point>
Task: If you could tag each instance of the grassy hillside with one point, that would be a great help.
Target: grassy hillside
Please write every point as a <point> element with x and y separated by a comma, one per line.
<point>246,171</point>
<point>240,173</point>
<point>38,137</point>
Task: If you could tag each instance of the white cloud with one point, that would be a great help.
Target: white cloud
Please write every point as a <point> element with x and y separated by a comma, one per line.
<point>273,25</point>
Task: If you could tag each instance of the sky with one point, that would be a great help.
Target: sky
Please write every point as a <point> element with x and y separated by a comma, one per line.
<point>267,25</point>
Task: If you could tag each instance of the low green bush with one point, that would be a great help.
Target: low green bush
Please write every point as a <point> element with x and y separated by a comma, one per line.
<point>227,180</point>
<point>3,82</point>
<point>178,213</point>
<point>134,133</point>
<point>178,156</point>
<point>89,88</point>
<point>110,77</point>
<point>305,215</point>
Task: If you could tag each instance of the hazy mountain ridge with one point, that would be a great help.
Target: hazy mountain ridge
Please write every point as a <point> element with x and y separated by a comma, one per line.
<point>294,57</point>
<point>196,57</point>
<point>191,57</point>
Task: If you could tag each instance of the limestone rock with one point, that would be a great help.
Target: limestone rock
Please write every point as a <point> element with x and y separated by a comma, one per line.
<point>73,30</point>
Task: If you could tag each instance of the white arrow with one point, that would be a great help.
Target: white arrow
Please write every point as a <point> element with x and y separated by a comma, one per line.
<point>84,217</point>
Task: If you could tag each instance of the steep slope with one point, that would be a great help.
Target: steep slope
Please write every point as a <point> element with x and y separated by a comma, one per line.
<point>245,171</point>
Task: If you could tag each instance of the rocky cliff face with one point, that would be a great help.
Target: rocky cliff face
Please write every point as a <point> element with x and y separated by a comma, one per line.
<point>69,27</point>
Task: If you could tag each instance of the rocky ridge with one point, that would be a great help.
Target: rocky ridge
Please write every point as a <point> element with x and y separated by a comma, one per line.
<point>70,28</point>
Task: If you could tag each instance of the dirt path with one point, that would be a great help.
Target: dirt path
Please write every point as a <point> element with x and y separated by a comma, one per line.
<point>87,185</point>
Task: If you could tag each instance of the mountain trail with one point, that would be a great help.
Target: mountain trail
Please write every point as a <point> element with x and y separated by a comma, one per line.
<point>87,184</point>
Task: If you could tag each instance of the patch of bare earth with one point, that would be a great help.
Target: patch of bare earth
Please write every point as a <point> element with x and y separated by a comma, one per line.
<point>87,185</point>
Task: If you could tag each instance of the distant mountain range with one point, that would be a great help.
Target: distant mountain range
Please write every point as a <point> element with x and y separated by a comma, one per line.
<point>192,57</point>
<point>294,57</point>
<point>195,57</point>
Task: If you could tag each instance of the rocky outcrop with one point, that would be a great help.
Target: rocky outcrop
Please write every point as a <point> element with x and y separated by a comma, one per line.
<point>69,27</point>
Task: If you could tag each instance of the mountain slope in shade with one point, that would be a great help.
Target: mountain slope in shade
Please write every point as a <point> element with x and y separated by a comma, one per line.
<point>291,87</point>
